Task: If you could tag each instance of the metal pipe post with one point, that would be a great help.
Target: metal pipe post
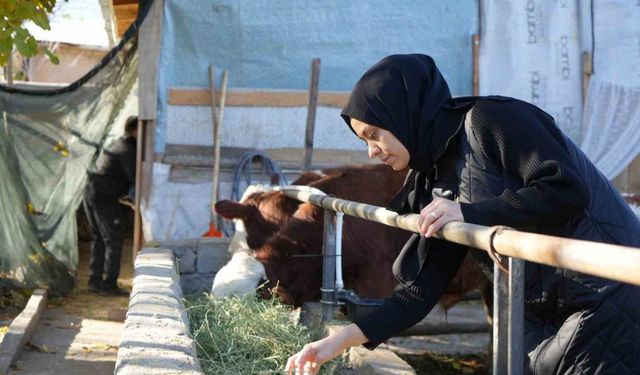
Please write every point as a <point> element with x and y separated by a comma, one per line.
<point>516,316</point>
<point>329,266</point>
<point>339,222</point>
<point>500,322</point>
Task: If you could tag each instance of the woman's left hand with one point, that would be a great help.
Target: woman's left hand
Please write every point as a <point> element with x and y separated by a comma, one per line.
<point>439,212</point>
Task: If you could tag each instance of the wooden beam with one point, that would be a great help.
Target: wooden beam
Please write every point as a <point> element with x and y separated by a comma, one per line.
<point>123,26</point>
<point>124,2</point>
<point>137,218</point>
<point>126,8</point>
<point>21,329</point>
<point>128,19</point>
<point>149,53</point>
<point>258,98</point>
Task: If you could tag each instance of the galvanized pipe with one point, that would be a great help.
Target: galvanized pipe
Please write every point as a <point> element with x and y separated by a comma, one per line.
<point>500,322</point>
<point>613,262</point>
<point>329,296</point>
<point>516,316</point>
<point>339,221</point>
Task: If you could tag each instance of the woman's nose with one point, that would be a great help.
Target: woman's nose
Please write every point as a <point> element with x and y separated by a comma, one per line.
<point>373,151</point>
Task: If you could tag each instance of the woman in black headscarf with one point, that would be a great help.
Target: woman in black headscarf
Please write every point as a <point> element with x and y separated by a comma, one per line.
<point>491,161</point>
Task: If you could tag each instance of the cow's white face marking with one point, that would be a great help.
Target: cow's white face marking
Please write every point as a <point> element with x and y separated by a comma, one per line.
<point>240,276</point>
<point>243,273</point>
<point>319,172</point>
<point>239,239</point>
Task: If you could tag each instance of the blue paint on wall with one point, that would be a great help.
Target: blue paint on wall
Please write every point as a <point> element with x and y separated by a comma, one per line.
<point>270,44</point>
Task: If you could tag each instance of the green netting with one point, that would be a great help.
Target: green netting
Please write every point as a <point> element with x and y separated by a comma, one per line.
<point>48,141</point>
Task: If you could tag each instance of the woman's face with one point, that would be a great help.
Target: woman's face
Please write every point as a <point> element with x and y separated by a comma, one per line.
<point>382,144</point>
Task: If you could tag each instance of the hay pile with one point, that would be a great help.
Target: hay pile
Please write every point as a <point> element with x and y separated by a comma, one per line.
<point>247,336</point>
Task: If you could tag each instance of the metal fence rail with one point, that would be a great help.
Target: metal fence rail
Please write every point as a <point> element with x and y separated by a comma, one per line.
<point>620,263</point>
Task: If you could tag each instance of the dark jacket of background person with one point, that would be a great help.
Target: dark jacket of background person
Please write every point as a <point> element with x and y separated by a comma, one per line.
<point>113,179</point>
<point>506,163</point>
<point>116,168</point>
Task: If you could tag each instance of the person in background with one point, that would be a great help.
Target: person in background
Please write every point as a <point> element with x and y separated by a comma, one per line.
<point>114,178</point>
<point>490,161</point>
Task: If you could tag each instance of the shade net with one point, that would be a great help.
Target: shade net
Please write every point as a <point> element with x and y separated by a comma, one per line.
<point>49,139</point>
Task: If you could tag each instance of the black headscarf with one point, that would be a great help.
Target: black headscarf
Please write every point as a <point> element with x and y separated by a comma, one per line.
<point>402,94</point>
<point>407,95</point>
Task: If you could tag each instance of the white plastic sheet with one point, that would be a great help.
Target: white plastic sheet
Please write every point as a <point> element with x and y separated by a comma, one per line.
<point>530,50</point>
<point>611,129</point>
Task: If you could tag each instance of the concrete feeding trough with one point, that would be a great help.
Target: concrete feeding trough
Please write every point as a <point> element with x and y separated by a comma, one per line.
<point>156,338</point>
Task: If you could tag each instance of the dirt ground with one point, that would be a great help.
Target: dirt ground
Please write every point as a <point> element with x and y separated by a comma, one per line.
<point>80,302</point>
<point>79,333</point>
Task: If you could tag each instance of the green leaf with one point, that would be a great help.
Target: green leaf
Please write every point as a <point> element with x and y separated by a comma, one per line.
<point>27,46</point>
<point>14,14</point>
<point>32,45</point>
<point>21,33</point>
<point>6,44</point>
<point>52,57</point>
<point>41,19</point>
<point>21,45</point>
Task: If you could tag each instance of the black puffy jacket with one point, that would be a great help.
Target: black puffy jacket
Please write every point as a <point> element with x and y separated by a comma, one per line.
<point>510,165</point>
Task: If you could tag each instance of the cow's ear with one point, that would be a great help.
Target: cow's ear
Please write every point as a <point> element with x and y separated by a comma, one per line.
<point>233,210</point>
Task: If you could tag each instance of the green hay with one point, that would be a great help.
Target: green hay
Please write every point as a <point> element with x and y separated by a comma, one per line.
<point>247,336</point>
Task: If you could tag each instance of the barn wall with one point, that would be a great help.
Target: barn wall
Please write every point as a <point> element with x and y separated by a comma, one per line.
<point>270,44</point>
<point>75,61</point>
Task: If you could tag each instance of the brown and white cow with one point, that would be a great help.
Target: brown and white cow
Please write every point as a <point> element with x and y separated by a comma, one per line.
<point>286,237</point>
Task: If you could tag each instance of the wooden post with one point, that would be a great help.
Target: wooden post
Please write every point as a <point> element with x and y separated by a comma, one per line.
<point>311,113</point>
<point>21,329</point>
<point>216,117</point>
<point>149,36</point>
<point>475,45</point>
<point>137,218</point>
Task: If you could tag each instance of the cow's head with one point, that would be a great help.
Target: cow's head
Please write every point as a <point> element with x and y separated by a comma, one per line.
<point>262,214</point>
<point>293,256</point>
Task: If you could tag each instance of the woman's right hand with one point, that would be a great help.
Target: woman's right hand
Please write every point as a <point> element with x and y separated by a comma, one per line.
<point>312,356</point>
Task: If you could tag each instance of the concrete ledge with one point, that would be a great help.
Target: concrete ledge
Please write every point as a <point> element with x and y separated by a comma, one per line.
<point>156,337</point>
<point>380,361</point>
<point>21,329</point>
<point>198,260</point>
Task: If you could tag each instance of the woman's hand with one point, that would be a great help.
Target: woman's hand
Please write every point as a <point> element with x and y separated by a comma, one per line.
<point>439,212</point>
<point>308,360</point>
<point>313,355</point>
